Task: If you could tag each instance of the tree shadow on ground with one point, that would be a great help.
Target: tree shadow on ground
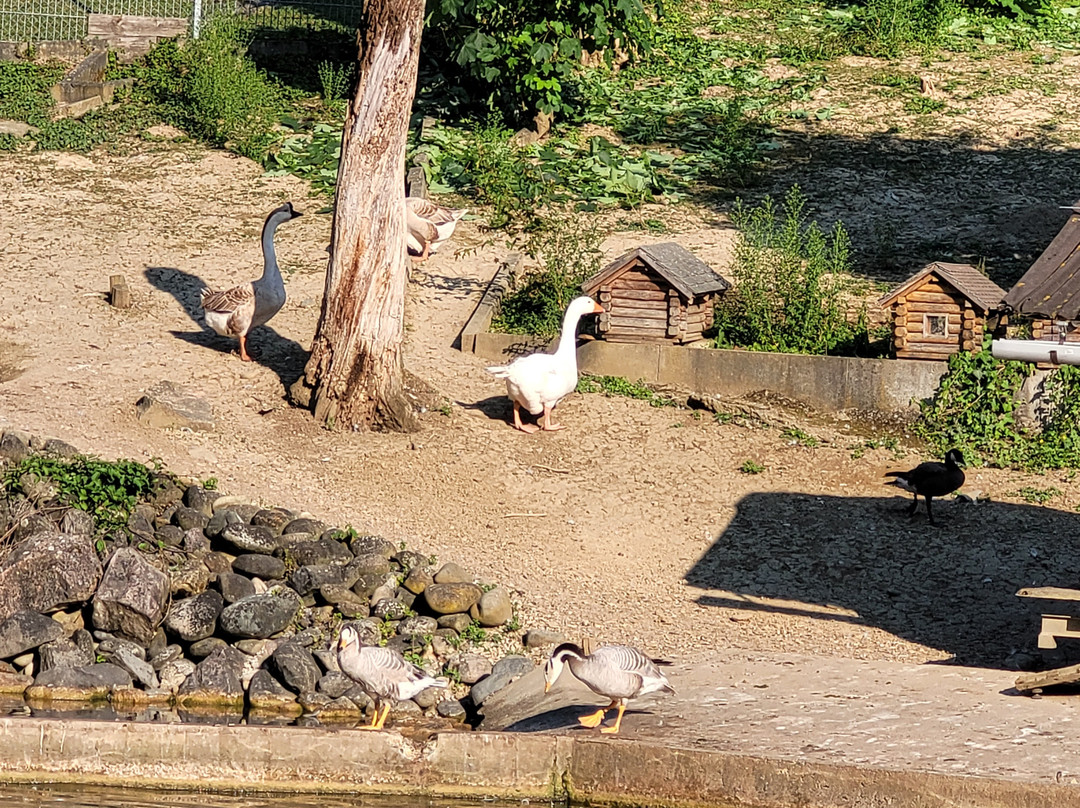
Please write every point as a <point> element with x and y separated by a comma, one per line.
<point>906,201</point>
<point>267,347</point>
<point>952,587</point>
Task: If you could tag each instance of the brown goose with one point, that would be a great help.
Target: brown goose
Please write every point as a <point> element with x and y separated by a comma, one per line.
<point>384,674</point>
<point>930,480</point>
<point>234,312</point>
<point>429,224</point>
<point>617,672</point>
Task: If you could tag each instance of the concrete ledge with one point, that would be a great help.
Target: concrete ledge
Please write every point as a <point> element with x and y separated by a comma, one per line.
<point>480,321</point>
<point>473,765</point>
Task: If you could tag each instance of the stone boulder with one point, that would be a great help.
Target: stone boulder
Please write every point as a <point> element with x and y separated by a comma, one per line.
<point>259,616</point>
<point>452,573</point>
<point>234,586</point>
<point>295,667</point>
<point>132,597</point>
<point>25,631</point>
<point>48,570</point>
<point>67,652</point>
<point>101,675</point>
<point>248,538</point>
<point>193,619</point>
<point>168,405</point>
<point>452,598</point>
<point>259,566</point>
<point>215,680</point>
<point>494,608</point>
<point>505,671</point>
<point>267,693</point>
<point>319,552</point>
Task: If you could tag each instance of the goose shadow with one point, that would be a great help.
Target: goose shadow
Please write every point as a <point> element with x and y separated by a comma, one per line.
<point>496,408</point>
<point>284,356</point>
<point>565,718</point>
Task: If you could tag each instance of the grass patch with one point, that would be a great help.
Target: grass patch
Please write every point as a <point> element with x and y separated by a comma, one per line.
<point>621,386</point>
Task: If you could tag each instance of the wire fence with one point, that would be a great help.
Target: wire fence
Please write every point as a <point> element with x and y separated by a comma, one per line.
<point>66,20</point>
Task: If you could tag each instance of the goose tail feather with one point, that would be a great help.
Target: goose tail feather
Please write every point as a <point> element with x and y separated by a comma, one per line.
<point>499,371</point>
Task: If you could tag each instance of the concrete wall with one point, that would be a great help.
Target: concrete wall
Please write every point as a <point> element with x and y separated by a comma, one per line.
<point>822,382</point>
<point>475,765</point>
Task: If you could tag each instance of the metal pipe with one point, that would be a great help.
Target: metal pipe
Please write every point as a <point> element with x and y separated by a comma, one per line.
<point>1030,350</point>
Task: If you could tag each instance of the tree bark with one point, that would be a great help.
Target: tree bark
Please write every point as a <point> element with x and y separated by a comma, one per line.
<point>354,377</point>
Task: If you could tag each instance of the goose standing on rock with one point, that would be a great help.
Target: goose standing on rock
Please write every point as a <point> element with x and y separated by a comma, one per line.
<point>617,672</point>
<point>429,225</point>
<point>539,381</point>
<point>383,673</point>
<point>234,312</point>
<point>930,480</point>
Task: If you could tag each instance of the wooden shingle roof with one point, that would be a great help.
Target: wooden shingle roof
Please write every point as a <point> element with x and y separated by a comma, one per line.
<point>965,278</point>
<point>676,264</point>
<point>1051,286</point>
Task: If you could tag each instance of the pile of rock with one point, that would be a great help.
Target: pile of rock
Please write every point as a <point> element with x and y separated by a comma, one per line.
<point>207,601</point>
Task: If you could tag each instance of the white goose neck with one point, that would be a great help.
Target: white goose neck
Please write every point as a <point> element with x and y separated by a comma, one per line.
<point>568,336</point>
<point>271,270</point>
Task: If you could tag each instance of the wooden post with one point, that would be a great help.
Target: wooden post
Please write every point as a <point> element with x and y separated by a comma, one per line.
<point>119,293</point>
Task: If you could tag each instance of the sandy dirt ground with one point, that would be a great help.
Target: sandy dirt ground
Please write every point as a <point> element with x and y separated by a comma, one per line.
<point>633,524</point>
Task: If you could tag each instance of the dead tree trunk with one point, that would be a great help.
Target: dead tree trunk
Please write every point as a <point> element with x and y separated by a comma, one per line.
<point>354,377</point>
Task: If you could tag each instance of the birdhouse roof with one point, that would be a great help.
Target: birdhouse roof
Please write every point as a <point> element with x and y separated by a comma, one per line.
<point>1051,286</point>
<point>674,263</point>
<point>965,278</point>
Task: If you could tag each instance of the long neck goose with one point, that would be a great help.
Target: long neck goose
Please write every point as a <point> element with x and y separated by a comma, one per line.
<point>234,312</point>
<point>617,672</point>
<point>930,480</point>
<point>429,225</point>
<point>384,674</point>
<point>539,381</point>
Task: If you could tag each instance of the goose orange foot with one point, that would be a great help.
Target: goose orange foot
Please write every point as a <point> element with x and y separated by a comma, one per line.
<point>593,719</point>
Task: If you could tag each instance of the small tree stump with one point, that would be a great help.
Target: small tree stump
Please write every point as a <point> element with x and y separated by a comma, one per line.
<point>119,293</point>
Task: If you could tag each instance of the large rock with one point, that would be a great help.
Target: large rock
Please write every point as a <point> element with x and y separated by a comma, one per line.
<point>296,667</point>
<point>494,608</point>
<point>138,668</point>
<point>48,570</point>
<point>234,586</point>
<point>258,565</point>
<point>267,693</point>
<point>335,684</point>
<point>167,405</point>
<point>307,579</point>
<point>306,525</point>
<point>190,578</point>
<point>452,598</point>
<point>505,671</point>
<point>200,499</point>
<point>452,573</point>
<point>248,538</point>
<point>371,564</point>
<point>194,619</point>
<point>319,552</point>
<point>173,674</point>
<point>216,679</point>
<point>104,674</point>
<point>471,668</point>
<point>25,631</point>
<point>259,616</point>
<point>67,652</point>
<point>132,597</point>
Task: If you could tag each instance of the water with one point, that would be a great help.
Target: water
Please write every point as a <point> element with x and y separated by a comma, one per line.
<point>84,796</point>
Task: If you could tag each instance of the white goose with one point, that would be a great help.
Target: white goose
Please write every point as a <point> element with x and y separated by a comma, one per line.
<point>384,674</point>
<point>234,312</point>
<point>617,672</point>
<point>429,225</point>
<point>539,381</point>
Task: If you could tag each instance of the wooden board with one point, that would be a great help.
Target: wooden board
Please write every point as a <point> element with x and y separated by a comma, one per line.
<point>1027,682</point>
<point>626,293</point>
<point>647,305</point>
<point>1049,593</point>
<point>931,297</point>
<point>618,313</point>
<point>131,33</point>
<point>934,308</point>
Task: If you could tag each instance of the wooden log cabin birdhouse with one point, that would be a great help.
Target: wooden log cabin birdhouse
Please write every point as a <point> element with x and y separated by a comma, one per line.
<point>941,310</point>
<point>1049,292</point>
<point>657,293</point>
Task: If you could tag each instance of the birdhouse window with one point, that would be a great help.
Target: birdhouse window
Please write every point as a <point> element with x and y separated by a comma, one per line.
<point>934,325</point>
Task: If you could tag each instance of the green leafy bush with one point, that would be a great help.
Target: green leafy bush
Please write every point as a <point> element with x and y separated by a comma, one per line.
<point>24,91</point>
<point>791,284</point>
<point>108,491</point>
<point>211,89</point>
<point>975,409</point>
<point>568,247</point>
<point>520,57</point>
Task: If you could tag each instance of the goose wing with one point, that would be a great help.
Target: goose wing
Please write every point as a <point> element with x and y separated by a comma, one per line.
<point>626,671</point>
<point>228,300</point>
<point>431,212</point>
<point>386,673</point>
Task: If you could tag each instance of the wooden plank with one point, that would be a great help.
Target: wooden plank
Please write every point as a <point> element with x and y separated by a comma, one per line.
<point>133,32</point>
<point>644,321</point>
<point>1026,682</point>
<point>640,326</point>
<point>931,297</point>
<point>637,293</point>
<point>644,305</point>
<point>934,308</point>
<point>921,351</point>
<point>900,331</point>
<point>620,313</point>
<point>1049,593</point>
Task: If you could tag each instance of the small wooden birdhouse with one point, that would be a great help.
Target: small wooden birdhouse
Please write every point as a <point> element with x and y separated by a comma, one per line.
<point>657,293</point>
<point>941,310</point>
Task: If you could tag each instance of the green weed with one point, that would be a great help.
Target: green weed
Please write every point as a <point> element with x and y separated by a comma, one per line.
<point>800,437</point>
<point>106,490</point>
<point>621,386</point>
<point>474,633</point>
<point>1037,496</point>
<point>751,467</point>
<point>335,79</point>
